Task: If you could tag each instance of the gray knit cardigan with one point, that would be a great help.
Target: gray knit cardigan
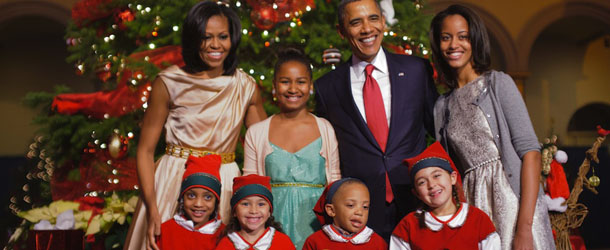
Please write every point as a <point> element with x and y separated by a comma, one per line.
<point>507,116</point>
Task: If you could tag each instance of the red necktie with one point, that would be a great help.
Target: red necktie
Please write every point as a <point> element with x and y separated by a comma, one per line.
<point>376,119</point>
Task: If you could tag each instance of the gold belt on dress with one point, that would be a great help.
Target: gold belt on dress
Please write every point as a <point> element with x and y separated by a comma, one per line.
<point>295,184</point>
<point>184,152</point>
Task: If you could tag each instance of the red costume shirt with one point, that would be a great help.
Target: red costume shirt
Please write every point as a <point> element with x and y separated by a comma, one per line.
<point>329,238</point>
<point>270,240</point>
<point>469,228</point>
<point>179,233</point>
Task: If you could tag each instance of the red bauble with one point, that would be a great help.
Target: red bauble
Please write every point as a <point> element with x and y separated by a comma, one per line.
<point>123,16</point>
<point>258,3</point>
<point>284,7</point>
<point>126,15</point>
<point>264,17</point>
<point>103,75</point>
<point>90,10</point>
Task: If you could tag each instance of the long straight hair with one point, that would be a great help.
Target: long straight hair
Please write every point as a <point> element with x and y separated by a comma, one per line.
<point>477,35</point>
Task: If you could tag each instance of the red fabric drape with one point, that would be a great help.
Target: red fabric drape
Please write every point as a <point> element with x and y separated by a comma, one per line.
<point>125,98</point>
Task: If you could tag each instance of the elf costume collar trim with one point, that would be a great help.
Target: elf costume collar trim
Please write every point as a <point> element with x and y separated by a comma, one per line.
<point>208,228</point>
<point>457,220</point>
<point>358,238</point>
<point>262,243</point>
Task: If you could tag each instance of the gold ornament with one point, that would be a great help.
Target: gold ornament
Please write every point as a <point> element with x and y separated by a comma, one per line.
<point>547,158</point>
<point>594,180</point>
<point>114,145</point>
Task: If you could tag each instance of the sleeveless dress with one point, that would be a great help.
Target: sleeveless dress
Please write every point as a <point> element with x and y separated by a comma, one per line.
<point>297,181</point>
<point>205,114</point>
<point>485,183</point>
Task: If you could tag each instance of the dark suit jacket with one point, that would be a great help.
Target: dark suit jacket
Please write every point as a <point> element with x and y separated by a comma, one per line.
<point>413,97</point>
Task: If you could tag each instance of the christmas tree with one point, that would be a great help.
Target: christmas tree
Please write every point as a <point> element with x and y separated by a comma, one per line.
<point>85,148</point>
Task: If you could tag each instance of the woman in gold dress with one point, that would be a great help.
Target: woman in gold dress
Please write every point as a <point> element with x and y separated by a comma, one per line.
<point>201,107</point>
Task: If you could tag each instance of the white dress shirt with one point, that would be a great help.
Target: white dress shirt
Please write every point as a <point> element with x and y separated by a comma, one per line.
<point>381,75</point>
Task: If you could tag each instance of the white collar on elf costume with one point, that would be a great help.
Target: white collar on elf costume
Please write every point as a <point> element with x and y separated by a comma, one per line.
<point>262,243</point>
<point>208,228</point>
<point>358,238</point>
<point>457,220</point>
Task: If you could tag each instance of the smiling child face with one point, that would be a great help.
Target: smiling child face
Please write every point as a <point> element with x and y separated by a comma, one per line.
<point>434,186</point>
<point>199,204</point>
<point>252,212</point>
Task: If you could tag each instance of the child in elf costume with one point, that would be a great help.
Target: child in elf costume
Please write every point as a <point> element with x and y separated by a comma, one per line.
<point>343,209</point>
<point>252,225</point>
<point>443,222</point>
<point>197,224</point>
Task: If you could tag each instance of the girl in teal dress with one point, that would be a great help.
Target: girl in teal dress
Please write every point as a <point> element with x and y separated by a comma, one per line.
<point>295,148</point>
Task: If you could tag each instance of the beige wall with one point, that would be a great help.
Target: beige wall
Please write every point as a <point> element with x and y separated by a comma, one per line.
<point>595,86</point>
<point>563,82</point>
<point>32,58</point>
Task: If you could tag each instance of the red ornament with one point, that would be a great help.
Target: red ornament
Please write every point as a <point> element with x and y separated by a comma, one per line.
<point>258,3</point>
<point>264,17</point>
<point>90,10</point>
<point>302,5</point>
<point>103,75</point>
<point>331,56</point>
<point>126,15</point>
<point>122,17</point>
<point>284,7</point>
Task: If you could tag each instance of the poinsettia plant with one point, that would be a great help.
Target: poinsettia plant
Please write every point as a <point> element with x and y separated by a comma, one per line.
<point>93,215</point>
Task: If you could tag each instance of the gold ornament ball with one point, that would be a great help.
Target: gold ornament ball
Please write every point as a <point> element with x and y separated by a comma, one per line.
<point>594,181</point>
<point>114,145</point>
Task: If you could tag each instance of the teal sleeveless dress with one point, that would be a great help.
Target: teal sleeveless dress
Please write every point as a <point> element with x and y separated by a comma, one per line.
<point>297,181</point>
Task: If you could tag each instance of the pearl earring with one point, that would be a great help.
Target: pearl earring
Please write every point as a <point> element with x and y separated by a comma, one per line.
<point>273,94</point>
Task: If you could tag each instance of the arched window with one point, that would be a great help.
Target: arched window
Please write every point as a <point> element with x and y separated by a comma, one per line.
<point>589,116</point>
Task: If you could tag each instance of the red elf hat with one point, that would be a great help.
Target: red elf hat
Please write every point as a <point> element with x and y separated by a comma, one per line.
<point>327,198</point>
<point>244,186</point>
<point>202,172</point>
<point>434,156</point>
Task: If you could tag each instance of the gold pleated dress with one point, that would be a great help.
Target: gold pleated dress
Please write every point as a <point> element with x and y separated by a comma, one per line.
<point>206,115</point>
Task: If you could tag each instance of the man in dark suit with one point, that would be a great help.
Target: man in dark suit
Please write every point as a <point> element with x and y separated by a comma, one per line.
<point>380,105</point>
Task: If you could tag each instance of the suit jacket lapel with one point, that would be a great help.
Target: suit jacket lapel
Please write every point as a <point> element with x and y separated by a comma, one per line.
<point>344,92</point>
<point>397,84</point>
